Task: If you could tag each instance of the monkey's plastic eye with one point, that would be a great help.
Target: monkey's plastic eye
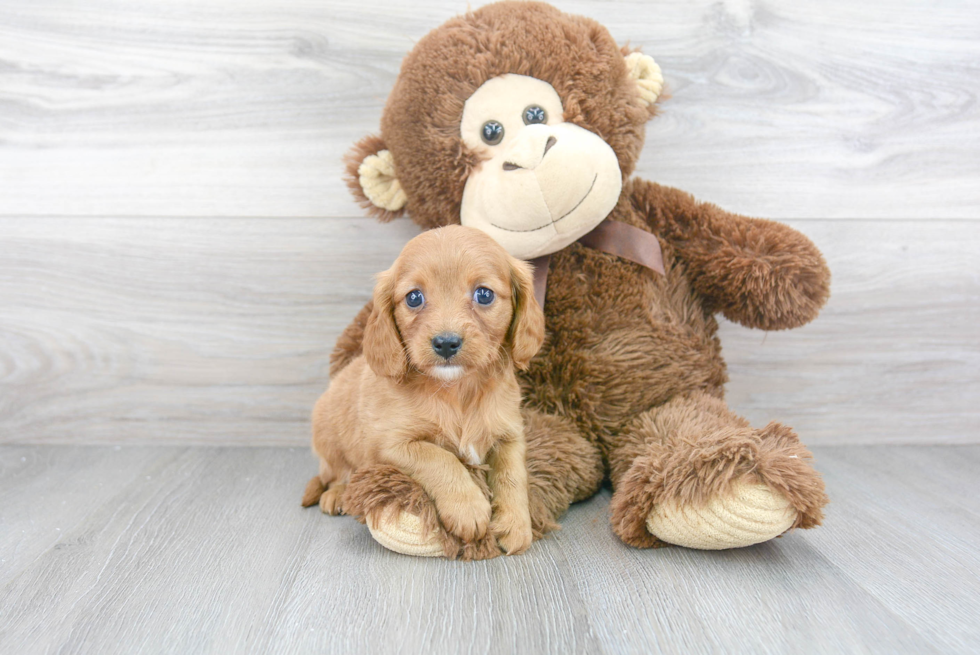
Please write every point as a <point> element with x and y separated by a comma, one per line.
<point>414,298</point>
<point>483,296</point>
<point>535,114</point>
<point>492,132</point>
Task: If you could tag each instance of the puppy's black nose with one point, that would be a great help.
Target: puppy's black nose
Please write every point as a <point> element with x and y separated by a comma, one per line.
<point>446,344</point>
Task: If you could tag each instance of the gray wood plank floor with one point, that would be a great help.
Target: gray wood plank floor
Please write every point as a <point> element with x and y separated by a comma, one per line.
<point>206,550</point>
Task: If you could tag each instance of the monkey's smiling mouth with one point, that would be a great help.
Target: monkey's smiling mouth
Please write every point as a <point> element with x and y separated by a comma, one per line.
<point>577,205</point>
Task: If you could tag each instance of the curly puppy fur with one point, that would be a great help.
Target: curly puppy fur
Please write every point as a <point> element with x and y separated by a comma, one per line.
<point>413,403</point>
<point>555,481</point>
<point>631,376</point>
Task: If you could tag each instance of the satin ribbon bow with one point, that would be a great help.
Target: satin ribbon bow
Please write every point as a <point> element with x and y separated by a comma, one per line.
<point>615,238</point>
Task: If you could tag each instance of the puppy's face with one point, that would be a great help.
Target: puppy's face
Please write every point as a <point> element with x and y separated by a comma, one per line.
<point>453,304</point>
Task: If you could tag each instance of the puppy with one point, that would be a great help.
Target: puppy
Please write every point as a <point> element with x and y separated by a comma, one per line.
<point>435,385</point>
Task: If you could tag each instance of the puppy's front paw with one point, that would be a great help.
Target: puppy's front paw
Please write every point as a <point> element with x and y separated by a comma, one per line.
<point>466,518</point>
<point>513,531</point>
<point>330,500</point>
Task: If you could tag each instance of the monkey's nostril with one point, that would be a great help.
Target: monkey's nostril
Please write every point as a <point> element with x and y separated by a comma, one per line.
<point>446,344</point>
<point>548,145</point>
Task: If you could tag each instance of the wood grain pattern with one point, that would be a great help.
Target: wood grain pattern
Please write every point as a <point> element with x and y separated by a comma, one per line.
<point>893,358</point>
<point>219,331</point>
<point>207,550</point>
<point>47,493</point>
<point>917,510</point>
<point>223,108</point>
<point>176,330</point>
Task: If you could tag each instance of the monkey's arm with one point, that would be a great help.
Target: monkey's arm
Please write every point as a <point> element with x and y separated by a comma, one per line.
<point>348,344</point>
<point>759,273</point>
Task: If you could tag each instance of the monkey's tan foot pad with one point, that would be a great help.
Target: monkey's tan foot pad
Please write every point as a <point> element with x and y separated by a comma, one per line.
<point>404,533</point>
<point>749,513</point>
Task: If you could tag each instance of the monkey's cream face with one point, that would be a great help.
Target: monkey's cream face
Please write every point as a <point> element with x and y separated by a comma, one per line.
<point>543,183</point>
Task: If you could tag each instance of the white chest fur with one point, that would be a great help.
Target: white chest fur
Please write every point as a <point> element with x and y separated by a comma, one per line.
<point>471,456</point>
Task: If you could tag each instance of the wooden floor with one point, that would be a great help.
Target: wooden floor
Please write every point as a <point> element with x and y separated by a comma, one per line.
<point>178,254</point>
<point>206,550</point>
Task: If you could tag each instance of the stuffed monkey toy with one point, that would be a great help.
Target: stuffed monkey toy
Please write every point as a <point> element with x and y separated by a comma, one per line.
<point>527,123</point>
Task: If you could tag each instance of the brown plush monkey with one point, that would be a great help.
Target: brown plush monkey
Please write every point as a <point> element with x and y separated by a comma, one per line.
<point>527,123</point>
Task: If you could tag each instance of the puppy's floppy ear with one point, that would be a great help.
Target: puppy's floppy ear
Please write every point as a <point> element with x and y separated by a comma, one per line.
<point>372,179</point>
<point>382,344</point>
<point>527,326</point>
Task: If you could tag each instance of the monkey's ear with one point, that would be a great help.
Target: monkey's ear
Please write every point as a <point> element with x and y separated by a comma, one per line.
<point>371,178</point>
<point>648,76</point>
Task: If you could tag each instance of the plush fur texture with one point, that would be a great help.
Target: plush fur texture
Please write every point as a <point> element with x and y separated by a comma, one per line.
<point>692,448</point>
<point>396,406</point>
<point>576,55</point>
<point>380,490</point>
<point>562,469</point>
<point>631,375</point>
<point>366,147</point>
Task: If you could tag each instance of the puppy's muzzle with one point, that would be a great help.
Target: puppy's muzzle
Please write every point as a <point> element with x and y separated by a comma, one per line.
<point>447,344</point>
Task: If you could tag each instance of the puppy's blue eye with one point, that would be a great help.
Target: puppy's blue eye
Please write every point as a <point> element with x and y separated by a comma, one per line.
<point>534,114</point>
<point>483,296</point>
<point>414,298</point>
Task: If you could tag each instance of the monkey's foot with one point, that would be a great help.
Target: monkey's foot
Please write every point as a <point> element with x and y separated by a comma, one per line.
<point>406,534</point>
<point>748,513</point>
<point>402,518</point>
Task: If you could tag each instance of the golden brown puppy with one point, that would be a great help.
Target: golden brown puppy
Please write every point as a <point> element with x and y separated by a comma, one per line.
<point>452,318</point>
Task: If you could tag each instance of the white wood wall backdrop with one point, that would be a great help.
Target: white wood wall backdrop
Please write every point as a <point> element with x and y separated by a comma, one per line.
<point>830,109</point>
<point>219,330</point>
<point>178,252</point>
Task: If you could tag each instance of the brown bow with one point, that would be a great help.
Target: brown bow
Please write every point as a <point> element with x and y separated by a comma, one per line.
<point>615,238</point>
